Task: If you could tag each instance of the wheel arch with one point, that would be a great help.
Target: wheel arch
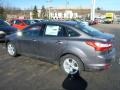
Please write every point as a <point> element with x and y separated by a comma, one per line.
<point>6,42</point>
<point>73,52</point>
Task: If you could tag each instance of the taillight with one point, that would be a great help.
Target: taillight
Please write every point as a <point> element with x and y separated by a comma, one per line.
<point>100,46</point>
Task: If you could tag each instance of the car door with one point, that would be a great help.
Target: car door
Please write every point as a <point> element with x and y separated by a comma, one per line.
<point>53,42</point>
<point>28,40</point>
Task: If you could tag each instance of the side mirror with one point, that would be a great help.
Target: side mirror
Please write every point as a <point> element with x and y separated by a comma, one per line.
<point>19,33</point>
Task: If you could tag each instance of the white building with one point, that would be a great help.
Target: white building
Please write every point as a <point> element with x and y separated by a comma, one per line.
<point>62,13</point>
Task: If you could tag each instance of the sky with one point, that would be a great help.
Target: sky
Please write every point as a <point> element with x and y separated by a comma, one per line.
<point>24,4</point>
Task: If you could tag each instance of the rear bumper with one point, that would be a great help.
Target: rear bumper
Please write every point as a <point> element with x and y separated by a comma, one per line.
<point>104,62</point>
<point>108,21</point>
<point>98,67</point>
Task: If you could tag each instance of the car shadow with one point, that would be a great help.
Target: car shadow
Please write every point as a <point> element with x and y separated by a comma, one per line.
<point>74,82</point>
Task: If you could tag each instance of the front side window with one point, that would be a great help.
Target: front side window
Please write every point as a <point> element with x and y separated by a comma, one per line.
<point>34,31</point>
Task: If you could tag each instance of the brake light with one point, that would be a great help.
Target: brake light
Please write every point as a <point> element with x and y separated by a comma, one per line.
<point>100,46</point>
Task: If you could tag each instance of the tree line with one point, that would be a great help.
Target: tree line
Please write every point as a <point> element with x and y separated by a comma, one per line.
<point>14,11</point>
<point>43,13</point>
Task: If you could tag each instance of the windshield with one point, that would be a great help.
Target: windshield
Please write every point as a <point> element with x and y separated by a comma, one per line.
<point>108,17</point>
<point>27,22</point>
<point>3,23</point>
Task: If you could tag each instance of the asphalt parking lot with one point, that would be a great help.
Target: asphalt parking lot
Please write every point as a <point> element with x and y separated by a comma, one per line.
<point>25,73</point>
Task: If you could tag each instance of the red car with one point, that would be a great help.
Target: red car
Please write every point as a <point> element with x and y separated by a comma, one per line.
<point>93,22</point>
<point>20,23</point>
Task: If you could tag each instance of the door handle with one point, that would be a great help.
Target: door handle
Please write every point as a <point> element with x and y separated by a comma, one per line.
<point>34,40</point>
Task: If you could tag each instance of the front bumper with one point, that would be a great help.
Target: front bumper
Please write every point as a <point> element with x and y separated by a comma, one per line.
<point>2,39</point>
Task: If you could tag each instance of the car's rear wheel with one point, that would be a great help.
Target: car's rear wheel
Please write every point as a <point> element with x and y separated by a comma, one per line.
<point>71,64</point>
<point>11,49</point>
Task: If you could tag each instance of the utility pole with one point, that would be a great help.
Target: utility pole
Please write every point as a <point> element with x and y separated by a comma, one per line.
<point>93,10</point>
<point>49,1</point>
<point>67,4</point>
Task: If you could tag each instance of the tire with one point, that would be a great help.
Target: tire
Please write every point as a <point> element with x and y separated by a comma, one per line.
<point>11,49</point>
<point>71,64</point>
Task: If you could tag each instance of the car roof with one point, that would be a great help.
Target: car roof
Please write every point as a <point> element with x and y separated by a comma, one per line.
<point>19,19</point>
<point>60,22</point>
<point>64,23</point>
<point>1,20</point>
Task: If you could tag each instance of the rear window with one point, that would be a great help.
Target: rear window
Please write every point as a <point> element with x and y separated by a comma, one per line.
<point>90,30</point>
<point>87,29</point>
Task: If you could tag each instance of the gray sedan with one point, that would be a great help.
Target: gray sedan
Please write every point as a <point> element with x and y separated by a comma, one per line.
<point>70,44</point>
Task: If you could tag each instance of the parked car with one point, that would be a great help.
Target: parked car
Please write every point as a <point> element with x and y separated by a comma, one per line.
<point>93,22</point>
<point>21,23</point>
<point>38,20</point>
<point>70,44</point>
<point>82,21</point>
<point>85,22</point>
<point>118,20</point>
<point>32,21</point>
<point>5,29</point>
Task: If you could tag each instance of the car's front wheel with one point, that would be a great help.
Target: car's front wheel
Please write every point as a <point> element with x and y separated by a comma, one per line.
<point>71,64</point>
<point>11,49</point>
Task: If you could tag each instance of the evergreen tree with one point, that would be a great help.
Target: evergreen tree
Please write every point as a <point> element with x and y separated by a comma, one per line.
<point>2,13</point>
<point>43,13</point>
<point>35,12</point>
<point>98,8</point>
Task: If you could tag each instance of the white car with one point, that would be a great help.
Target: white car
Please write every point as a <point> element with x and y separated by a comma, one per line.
<point>85,22</point>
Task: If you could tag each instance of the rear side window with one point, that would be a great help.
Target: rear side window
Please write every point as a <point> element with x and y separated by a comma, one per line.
<point>72,33</point>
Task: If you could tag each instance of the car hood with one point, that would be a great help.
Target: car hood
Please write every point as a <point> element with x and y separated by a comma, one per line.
<point>8,29</point>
